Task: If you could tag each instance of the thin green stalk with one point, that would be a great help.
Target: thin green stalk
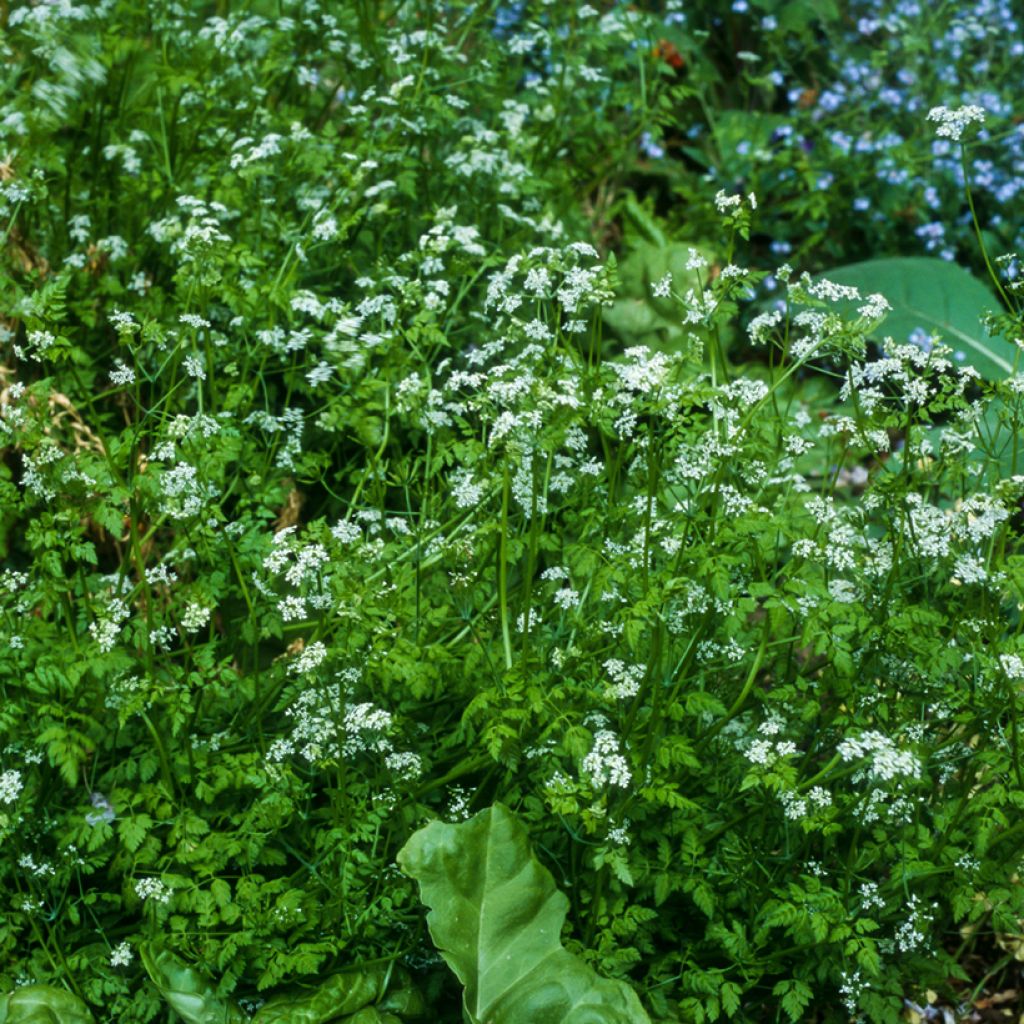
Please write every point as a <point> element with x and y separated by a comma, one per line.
<point>748,686</point>
<point>503,571</point>
<point>977,231</point>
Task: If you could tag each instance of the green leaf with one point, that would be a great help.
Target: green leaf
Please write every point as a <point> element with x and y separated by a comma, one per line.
<point>340,993</point>
<point>730,995</point>
<point>939,297</point>
<point>637,315</point>
<point>497,917</point>
<point>133,830</point>
<point>402,996</point>
<point>188,992</point>
<point>43,1004</point>
<point>371,1015</point>
<point>796,997</point>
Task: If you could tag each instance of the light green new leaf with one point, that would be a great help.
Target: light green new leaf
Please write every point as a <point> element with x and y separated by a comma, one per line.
<point>337,995</point>
<point>43,1004</point>
<point>188,992</point>
<point>939,297</point>
<point>496,917</point>
<point>637,315</point>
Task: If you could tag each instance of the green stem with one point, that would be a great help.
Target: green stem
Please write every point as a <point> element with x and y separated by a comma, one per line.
<point>503,572</point>
<point>748,686</point>
<point>977,231</point>
<point>165,766</point>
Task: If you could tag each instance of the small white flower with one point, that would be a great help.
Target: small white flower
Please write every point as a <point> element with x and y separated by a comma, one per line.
<point>1013,665</point>
<point>320,374</point>
<point>724,203</point>
<point>195,617</point>
<point>153,888</point>
<point>695,260</point>
<point>121,375</point>
<point>10,786</point>
<point>604,765</point>
<point>312,656</point>
<point>124,323</point>
<point>121,955</point>
<point>194,367</point>
<point>951,123</point>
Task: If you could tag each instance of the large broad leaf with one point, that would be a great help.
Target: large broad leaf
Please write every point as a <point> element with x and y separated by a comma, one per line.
<point>43,1004</point>
<point>496,917</point>
<point>338,995</point>
<point>938,297</point>
<point>188,992</point>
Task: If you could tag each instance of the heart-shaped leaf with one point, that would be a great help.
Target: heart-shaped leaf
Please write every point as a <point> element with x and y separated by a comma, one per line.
<point>496,917</point>
<point>938,297</point>
<point>43,1004</point>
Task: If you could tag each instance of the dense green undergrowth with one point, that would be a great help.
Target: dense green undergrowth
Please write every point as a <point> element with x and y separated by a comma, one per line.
<point>422,480</point>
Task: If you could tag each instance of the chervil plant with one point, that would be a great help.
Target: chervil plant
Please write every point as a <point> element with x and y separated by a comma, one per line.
<point>331,508</point>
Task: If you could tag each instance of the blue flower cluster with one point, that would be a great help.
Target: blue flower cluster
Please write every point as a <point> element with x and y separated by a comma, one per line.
<point>847,101</point>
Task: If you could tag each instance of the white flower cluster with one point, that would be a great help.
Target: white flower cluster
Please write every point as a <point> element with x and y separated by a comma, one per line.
<point>11,785</point>
<point>605,765</point>
<point>797,807</point>
<point>1012,665</point>
<point>937,530</point>
<point>326,728</point>
<point>725,202</point>
<point>625,679</point>
<point>404,764</point>
<point>466,493</point>
<point>199,234</point>
<point>41,869</point>
<point>304,567</point>
<point>121,955</point>
<point>127,156</point>
<point>184,491</point>
<point>291,424</point>
<point>122,374</point>
<point>766,753</point>
<point>911,934</point>
<point>760,327</point>
<point>663,288</point>
<point>153,889</point>
<point>195,617</point>
<point>951,123</point>
<point>310,658</point>
<point>870,898</point>
<point>887,760</point>
<point>107,628</point>
<point>851,989</point>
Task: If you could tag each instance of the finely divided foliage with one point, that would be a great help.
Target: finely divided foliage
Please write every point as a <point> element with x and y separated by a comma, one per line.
<point>380,445</point>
